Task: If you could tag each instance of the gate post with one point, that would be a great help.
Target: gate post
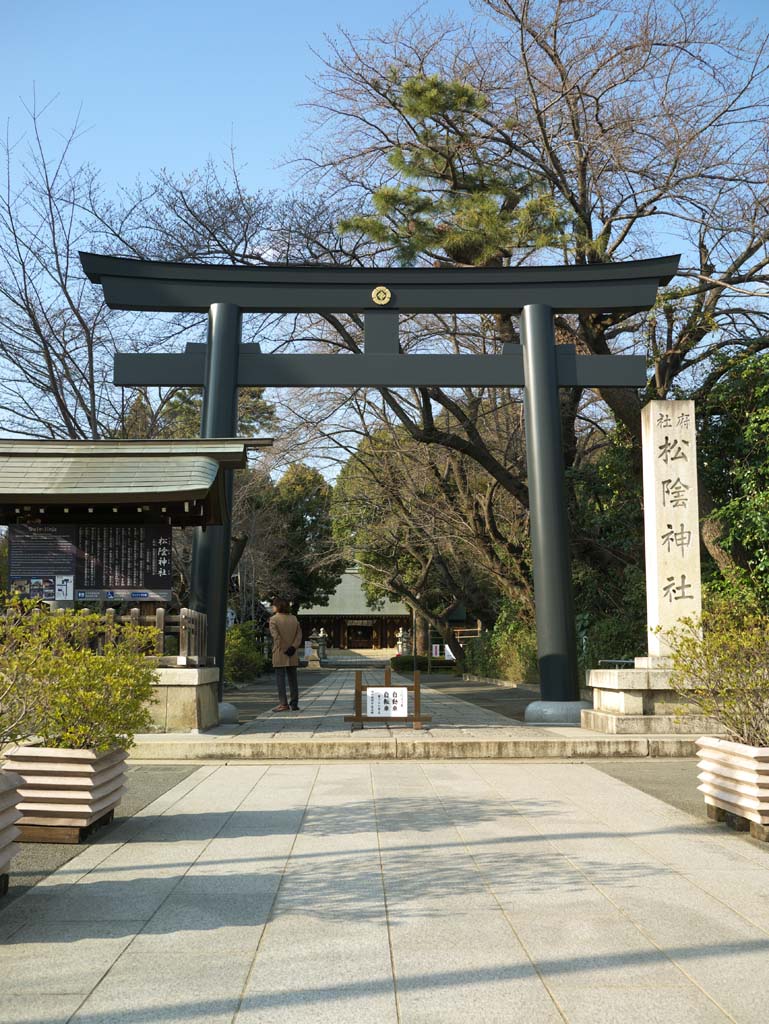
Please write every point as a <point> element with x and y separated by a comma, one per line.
<point>556,635</point>
<point>211,547</point>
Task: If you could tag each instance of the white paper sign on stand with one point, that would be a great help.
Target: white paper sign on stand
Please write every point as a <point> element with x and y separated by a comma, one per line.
<point>387,702</point>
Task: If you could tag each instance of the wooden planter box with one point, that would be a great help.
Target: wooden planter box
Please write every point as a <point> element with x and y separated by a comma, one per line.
<point>734,779</point>
<point>64,795</point>
<point>9,815</point>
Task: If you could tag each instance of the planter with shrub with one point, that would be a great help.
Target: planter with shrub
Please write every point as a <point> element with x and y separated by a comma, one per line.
<point>721,665</point>
<point>9,815</point>
<point>89,695</point>
<point>734,778</point>
<point>15,711</point>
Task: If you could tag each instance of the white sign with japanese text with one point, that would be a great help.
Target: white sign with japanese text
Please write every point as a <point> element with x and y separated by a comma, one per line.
<point>671,518</point>
<point>387,702</point>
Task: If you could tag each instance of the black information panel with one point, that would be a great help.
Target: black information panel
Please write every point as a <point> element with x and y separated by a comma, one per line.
<point>91,563</point>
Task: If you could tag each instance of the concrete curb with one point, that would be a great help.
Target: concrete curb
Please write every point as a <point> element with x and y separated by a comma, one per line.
<point>468,677</point>
<point>428,748</point>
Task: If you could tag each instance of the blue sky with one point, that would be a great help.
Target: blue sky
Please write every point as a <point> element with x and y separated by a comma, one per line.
<point>168,82</point>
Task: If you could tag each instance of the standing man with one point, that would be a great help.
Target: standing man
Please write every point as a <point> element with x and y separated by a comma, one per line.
<point>286,638</point>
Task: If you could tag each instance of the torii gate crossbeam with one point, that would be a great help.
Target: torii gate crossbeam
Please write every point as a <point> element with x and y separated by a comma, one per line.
<point>381,294</point>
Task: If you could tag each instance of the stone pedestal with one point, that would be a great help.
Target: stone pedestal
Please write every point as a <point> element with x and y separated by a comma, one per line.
<point>9,815</point>
<point>65,788</point>
<point>322,645</point>
<point>312,655</point>
<point>734,779</point>
<point>641,700</point>
<point>554,712</point>
<point>186,700</point>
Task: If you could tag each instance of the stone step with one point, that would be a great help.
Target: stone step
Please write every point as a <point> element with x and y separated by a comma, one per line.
<point>379,744</point>
<point>615,724</point>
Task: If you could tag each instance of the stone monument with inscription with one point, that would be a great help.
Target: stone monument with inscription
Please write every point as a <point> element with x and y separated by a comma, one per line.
<point>640,699</point>
<point>671,521</point>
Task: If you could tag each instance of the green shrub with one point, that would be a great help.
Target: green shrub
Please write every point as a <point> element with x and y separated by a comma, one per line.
<point>480,657</point>
<point>610,633</point>
<point>80,690</point>
<point>508,651</point>
<point>405,663</point>
<point>721,666</point>
<point>243,657</point>
<point>17,691</point>
<point>171,645</point>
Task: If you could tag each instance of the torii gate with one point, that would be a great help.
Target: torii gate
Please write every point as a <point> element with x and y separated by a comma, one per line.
<point>539,366</point>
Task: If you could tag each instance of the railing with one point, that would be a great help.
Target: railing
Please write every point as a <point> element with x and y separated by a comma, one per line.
<point>189,626</point>
<point>470,633</point>
<point>193,637</point>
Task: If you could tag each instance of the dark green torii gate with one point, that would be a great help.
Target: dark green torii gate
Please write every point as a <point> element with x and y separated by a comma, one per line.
<point>380,294</point>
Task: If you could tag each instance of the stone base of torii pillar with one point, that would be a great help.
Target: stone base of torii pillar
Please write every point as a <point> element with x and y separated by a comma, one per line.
<point>640,699</point>
<point>555,712</point>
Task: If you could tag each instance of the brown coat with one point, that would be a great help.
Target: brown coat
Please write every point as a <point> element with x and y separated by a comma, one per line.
<point>285,632</point>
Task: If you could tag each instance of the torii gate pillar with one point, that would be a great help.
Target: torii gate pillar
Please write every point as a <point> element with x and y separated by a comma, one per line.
<point>210,583</point>
<point>551,562</point>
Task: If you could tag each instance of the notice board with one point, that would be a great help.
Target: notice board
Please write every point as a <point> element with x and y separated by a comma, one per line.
<point>90,563</point>
<point>387,702</point>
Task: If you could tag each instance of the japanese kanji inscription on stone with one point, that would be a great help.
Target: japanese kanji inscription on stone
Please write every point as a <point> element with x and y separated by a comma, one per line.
<point>671,518</point>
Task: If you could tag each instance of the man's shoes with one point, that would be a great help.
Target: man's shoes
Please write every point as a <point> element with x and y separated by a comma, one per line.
<point>281,707</point>
<point>294,707</point>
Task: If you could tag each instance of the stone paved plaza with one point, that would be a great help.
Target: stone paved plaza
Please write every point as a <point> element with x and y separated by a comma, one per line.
<point>459,729</point>
<point>396,892</point>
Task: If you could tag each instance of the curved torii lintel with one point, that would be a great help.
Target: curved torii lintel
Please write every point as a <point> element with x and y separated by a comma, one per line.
<point>157,286</point>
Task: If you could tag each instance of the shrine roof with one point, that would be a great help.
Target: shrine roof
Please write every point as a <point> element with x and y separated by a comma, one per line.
<point>349,600</point>
<point>121,481</point>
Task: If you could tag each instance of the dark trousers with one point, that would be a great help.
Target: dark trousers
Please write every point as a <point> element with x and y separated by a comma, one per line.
<point>293,685</point>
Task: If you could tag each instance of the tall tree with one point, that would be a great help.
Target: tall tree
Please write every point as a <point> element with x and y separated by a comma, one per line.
<point>179,415</point>
<point>426,530</point>
<point>310,562</point>
<point>633,122</point>
<point>733,440</point>
<point>56,335</point>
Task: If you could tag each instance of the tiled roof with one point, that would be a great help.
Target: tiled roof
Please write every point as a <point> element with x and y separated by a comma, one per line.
<point>350,601</point>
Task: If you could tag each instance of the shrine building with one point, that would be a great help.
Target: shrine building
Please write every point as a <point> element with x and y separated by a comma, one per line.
<point>351,622</point>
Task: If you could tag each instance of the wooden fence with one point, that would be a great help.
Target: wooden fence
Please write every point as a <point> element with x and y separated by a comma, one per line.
<point>189,626</point>
<point>469,633</point>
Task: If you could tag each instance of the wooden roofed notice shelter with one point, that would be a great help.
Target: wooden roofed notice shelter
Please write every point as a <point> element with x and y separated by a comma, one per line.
<point>92,520</point>
<point>180,483</point>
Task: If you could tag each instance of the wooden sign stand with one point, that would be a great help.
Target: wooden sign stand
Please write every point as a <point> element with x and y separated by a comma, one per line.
<point>360,719</point>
